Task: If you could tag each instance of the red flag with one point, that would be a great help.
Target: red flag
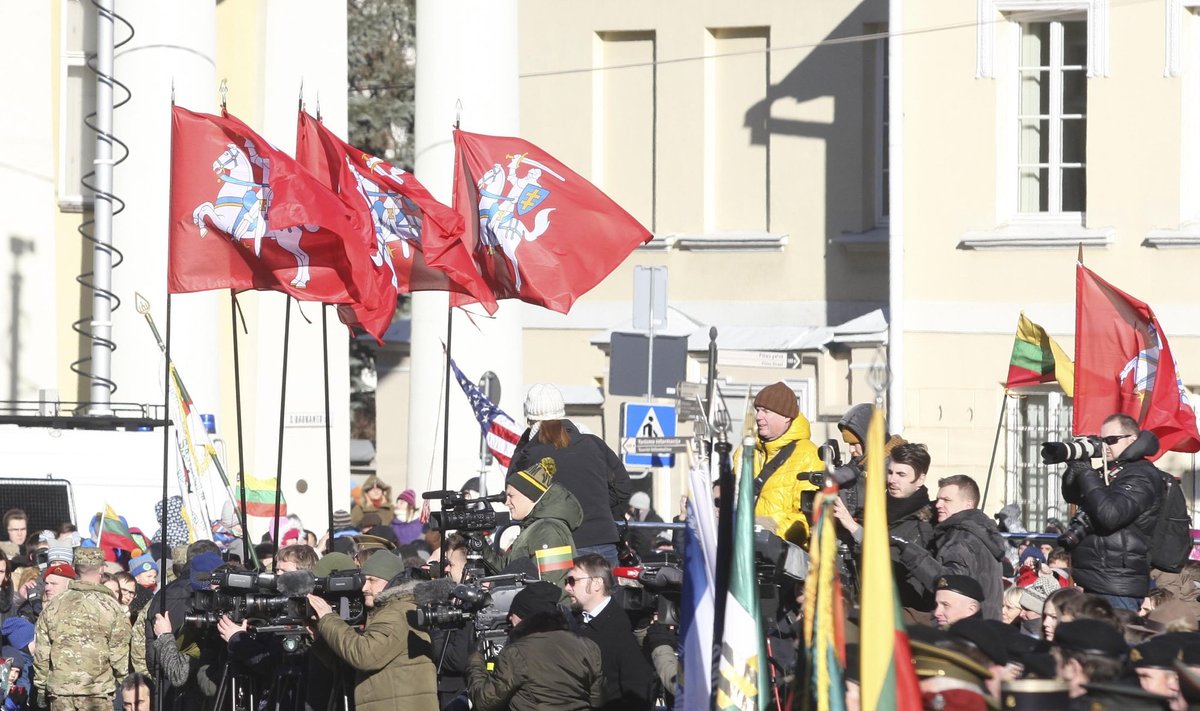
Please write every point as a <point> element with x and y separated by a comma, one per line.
<point>1124,364</point>
<point>537,230</point>
<point>245,215</point>
<point>402,214</point>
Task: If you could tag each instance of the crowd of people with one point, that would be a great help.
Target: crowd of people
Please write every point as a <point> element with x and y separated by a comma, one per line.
<point>1105,615</point>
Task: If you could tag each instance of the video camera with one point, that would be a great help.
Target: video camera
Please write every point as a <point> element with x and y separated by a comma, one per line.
<point>844,474</point>
<point>277,603</point>
<point>458,513</point>
<point>1077,449</point>
<point>658,593</point>
<point>442,604</point>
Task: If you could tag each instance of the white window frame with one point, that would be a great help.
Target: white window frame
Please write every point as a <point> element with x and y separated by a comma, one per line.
<point>1183,61</point>
<point>1056,165</point>
<point>71,196</point>
<point>1001,19</point>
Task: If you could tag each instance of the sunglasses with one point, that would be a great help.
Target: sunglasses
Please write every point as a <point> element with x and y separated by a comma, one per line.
<point>571,579</point>
<point>1113,439</point>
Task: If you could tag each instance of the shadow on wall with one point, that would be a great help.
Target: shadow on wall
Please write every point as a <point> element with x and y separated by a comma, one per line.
<point>850,79</point>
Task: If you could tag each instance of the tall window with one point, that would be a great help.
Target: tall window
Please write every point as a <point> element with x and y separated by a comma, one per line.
<point>1052,118</point>
<point>882,103</point>
<point>1034,418</point>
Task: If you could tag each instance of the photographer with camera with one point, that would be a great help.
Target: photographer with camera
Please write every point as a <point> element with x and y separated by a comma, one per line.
<point>1112,537</point>
<point>393,660</point>
<point>543,665</point>
<point>547,513</point>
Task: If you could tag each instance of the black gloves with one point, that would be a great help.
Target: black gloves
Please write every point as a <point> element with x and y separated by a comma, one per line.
<point>1071,480</point>
<point>660,635</point>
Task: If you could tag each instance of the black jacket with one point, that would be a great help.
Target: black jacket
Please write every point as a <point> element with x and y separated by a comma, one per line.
<point>589,470</point>
<point>1114,558</point>
<point>967,543</point>
<point>629,680</point>
<point>911,519</point>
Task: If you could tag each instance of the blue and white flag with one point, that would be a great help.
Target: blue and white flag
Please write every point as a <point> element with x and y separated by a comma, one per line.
<point>696,614</point>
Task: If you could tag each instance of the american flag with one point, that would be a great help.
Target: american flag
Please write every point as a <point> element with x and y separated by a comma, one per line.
<point>498,428</point>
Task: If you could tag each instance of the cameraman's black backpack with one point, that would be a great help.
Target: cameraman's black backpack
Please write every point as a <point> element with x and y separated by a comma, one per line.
<point>1172,541</point>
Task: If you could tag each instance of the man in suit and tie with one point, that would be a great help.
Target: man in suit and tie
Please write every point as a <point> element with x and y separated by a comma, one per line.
<point>629,678</point>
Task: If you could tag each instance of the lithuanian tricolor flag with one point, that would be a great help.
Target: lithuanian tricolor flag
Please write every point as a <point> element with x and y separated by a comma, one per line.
<point>552,559</point>
<point>114,534</point>
<point>889,681</point>
<point>260,497</point>
<point>1038,359</point>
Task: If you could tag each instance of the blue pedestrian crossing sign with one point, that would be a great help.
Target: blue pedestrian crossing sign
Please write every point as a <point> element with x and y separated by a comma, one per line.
<point>647,420</point>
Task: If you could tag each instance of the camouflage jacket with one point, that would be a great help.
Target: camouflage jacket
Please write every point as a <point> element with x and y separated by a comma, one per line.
<point>82,643</point>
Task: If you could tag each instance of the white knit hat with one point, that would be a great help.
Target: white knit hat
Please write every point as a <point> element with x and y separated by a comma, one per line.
<point>544,402</point>
<point>640,501</point>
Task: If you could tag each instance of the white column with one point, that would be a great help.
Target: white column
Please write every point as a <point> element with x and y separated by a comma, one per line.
<point>895,138</point>
<point>173,44</point>
<point>303,43</point>
<point>466,54</point>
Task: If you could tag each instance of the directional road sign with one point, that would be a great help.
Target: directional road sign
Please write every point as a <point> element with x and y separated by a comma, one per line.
<point>648,420</point>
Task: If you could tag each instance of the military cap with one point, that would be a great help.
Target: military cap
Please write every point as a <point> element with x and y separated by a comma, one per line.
<point>1090,637</point>
<point>1121,697</point>
<point>1034,695</point>
<point>931,661</point>
<point>961,584</point>
<point>368,542</point>
<point>61,569</point>
<point>90,557</point>
<point>983,636</point>
<point>1156,653</point>
<point>1190,650</point>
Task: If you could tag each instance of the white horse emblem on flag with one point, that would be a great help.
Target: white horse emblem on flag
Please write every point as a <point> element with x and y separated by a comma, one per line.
<point>499,209</point>
<point>243,204</point>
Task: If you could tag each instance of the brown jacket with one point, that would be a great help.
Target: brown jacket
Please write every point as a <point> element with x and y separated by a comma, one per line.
<point>393,661</point>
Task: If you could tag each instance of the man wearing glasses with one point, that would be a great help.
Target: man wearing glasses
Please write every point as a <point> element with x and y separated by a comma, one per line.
<point>1118,512</point>
<point>628,677</point>
<point>16,525</point>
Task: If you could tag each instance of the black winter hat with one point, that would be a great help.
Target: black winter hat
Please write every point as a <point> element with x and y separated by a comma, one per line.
<point>1090,637</point>
<point>961,584</point>
<point>535,597</point>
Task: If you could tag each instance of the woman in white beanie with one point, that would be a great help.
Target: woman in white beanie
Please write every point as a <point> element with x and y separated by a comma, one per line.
<point>587,468</point>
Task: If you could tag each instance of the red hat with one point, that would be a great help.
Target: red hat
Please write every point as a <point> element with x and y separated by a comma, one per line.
<point>62,569</point>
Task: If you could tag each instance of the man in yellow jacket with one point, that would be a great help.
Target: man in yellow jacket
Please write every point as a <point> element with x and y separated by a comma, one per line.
<point>783,450</point>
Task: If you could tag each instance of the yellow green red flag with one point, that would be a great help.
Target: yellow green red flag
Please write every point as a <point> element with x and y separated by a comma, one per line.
<point>888,679</point>
<point>1037,359</point>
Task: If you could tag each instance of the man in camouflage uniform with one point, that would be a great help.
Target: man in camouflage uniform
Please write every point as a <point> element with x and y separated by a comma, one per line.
<point>82,638</point>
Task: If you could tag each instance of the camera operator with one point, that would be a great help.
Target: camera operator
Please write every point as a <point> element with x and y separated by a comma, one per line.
<point>393,661</point>
<point>910,516</point>
<point>1115,524</point>
<point>548,513</point>
<point>452,647</point>
<point>543,665</point>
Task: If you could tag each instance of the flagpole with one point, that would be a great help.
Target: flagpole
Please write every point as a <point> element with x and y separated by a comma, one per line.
<point>995,444</point>
<point>446,400</point>
<point>237,405</point>
<point>162,521</point>
<point>287,330</point>
<point>328,435</point>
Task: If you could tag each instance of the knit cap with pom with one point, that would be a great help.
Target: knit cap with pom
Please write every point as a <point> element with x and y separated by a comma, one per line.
<point>534,481</point>
<point>544,402</point>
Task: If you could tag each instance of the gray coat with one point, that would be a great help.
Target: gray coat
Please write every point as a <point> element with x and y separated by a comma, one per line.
<point>967,543</point>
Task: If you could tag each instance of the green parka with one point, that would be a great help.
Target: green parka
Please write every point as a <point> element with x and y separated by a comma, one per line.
<point>393,661</point>
<point>386,510</point>
<point>548,525</point>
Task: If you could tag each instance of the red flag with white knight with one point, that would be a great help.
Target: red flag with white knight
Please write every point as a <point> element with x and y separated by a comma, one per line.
<point>402,214</point>
<point>537,230</point>
<point>245,215</point>
<point>1123,363</point>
